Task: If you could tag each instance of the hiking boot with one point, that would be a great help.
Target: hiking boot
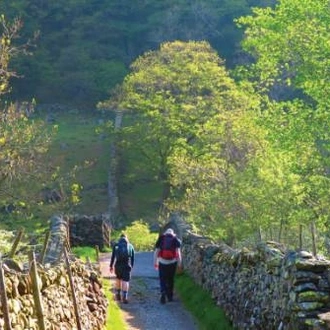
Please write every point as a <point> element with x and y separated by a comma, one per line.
<point>170,298</point>
<point>118,298</point>
<point>162,299</point>
<point>125,301</point>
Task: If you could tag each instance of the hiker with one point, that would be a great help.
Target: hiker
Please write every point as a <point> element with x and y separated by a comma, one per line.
<point>167,257</point>
<point>122,258</point>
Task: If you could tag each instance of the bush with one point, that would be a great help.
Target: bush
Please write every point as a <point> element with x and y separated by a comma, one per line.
<point>140,236</point>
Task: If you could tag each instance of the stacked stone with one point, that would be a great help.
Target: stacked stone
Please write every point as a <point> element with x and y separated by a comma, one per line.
<point>57,302</point>
<point>264,288</point>
<point>89,231</point>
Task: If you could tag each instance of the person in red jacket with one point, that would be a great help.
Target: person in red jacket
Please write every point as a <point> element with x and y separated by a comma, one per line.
<point>167,257</point>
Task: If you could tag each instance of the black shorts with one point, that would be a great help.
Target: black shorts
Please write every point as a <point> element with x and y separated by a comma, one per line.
<point>123,272</point>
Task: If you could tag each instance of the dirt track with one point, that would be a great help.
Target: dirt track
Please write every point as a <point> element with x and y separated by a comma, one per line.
<point>144,311</point>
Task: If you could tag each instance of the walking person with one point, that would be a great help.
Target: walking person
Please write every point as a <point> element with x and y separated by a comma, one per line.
<point>122,262</point>
<point>167,257</point>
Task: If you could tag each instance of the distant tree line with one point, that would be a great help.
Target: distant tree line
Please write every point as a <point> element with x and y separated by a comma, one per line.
<point>85,47</point>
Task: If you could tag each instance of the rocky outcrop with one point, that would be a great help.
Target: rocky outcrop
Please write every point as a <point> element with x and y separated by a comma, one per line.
<point>268,287</point>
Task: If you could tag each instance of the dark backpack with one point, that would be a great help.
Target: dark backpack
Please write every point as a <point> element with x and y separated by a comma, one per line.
<point>167,247</point>
<point>122,251</point>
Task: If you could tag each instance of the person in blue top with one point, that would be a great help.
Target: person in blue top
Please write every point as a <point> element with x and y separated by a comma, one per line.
<point>122,263</point>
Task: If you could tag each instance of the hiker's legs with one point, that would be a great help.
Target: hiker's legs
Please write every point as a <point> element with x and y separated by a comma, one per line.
<point>162,278</point>
<point>170,280</point>
<point>118,288</point>
<point>166,279</point>
<point>125,283</point>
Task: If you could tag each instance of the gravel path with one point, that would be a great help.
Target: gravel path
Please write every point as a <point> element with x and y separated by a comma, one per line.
<point>144,311</point>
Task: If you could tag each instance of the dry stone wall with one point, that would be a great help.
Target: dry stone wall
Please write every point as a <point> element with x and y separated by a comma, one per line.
<point>268,287</point>
<point>59,292</point>
<point>57,302</point>
<point>89,230</point>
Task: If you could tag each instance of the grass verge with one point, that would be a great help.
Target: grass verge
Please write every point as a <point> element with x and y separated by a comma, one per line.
<point>115,319</point>
<point>200,304</point>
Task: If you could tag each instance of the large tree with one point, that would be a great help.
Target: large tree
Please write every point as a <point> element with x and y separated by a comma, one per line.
<point>179,94</point>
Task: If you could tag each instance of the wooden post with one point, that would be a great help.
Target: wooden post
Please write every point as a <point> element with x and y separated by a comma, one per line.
<point>16,242</point>
<point>97,251</point>
<point>43,252</point>
<point>300,237</point>
<point>313,229</point>
<point>4,299</point>
<point>74,298</point>
<point>36,292</point>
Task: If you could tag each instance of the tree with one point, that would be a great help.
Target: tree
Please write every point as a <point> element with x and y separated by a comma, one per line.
<point>22,140</point>
<point>179,94</point>
<point>290,46</point>
<point>291,41</point>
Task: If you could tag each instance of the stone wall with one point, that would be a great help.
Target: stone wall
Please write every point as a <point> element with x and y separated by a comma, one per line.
<point>268,287</point>
<point>89,230</point>
<point>60,291</point>
<point>57,302</point>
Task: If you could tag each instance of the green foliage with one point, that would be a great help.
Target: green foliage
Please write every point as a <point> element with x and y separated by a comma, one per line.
<point>208,315</point>
<point>176,93</point>
<point>140,236</point>
<point>6,241</point>
<point>85,253</point>
<point>85,47</point>
<point>290,44</point>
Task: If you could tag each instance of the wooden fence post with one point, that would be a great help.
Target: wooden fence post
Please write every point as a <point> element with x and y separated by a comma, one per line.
<point>16,242</point>
<point>97,251</point>
<point>4,299</point>
<point>44,248</point>
<point>74,298</point>
<point>36,292</point>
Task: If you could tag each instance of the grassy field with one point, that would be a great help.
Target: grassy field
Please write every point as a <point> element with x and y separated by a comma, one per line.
<point>77,145</point>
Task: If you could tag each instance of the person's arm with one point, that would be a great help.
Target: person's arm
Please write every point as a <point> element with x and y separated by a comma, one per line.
<point>179,257</point>
<point>178,253</point>
<point>132,256</point>
<point>112,260</point>
<point>156,253</point>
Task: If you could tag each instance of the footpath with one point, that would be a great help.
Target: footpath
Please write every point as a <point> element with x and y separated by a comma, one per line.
<point>144,311</point>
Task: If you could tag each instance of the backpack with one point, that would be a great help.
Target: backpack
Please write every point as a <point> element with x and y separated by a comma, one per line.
<point>167,247</point>
<point>122,251</point>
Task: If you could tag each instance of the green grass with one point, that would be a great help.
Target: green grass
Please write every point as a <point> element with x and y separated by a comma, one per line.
<point>78,144</point>
<point>85,252</point>
<point>201,305</point>
<point>115,319</point>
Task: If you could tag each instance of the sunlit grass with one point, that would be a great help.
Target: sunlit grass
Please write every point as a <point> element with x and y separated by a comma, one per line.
<point>201,305</point>
<point>85,253</point>
<point>115,320</point>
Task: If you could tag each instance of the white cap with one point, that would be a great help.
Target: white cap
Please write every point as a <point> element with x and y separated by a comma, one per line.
<point>169,231</point>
